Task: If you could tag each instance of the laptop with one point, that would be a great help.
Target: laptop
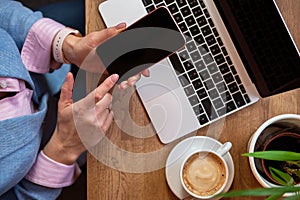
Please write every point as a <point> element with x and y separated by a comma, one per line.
<point>236,52</point>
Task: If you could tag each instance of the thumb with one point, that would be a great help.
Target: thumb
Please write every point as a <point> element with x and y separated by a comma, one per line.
<point>66,92</point>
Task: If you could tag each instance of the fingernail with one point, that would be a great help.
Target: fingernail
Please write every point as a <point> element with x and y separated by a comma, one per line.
<point>115,77</point>
<point>121,26</point>
<point>124,85</point>
<point>132,83</point>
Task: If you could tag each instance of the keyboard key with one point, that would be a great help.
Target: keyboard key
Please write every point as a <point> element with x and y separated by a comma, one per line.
<point>200,65</point>
<point>217,77</point>
<point>214,30</point>
<point>220,41</point>
<point>201,21</point>
<point>188,36</point>
<point>206,13</point>
<point>184,80</point>
<point>212,68</point>
<point>222,111</point>
<point>228,60</point>
<point>228,78</point>
<point>209,109</point>
<point>176,64</point>
<point>247,98</point>
<point>193,74</point>
<point>233,70</point>
<point>180,3</point>
<point>193,100</point>
<point>238,80</point>
<point>230,106</point>
<point>197,84</point>
<point>203,49</point>
<point>210,22</point>
<point>204,75</point>
<point>190,21</point>
<point>192,3</point>
<point>224,51</point>
<point>233,87</point>
<point>221,87</point>
<point>202,4</point>
<point>210,40</point>
<point>184,55</point>
<point>226,96</point>
<point>188,65</point>
<point>219,59</point>
<point>202,119</point>
<point>195,56</point>
<point>213,94</point>
<point>178,18</point>
<point>194,30</point>
<point>150,8</point>
<point>224,68</point>
<point>206,30</point>
<point>185,11</point>
<point>199,39</point>
<point>202,93</point>
<point>208,58</point>
<point>209,84</point>
<point>197,11</point>
<point>191,46</point>
<point>182,27</point>
<point>147,2</point>
<point>198,109</point>
<point>173,8</point>
<point>215,49</point>
<point>238,99</point>
<point>189,90</point>
<point>218,103</point>
<point>242,88</point>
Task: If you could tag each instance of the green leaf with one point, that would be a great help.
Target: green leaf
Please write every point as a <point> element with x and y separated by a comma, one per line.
<point>275,155</point>
<point>281,177</point>
<point>296,163</point>
<point>274,197</point>
<point>261,191</point>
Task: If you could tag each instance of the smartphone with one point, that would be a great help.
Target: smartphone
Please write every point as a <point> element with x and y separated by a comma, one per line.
<point>142,44</point>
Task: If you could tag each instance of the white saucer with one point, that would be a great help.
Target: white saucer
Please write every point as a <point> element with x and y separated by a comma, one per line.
<point>180,151</point>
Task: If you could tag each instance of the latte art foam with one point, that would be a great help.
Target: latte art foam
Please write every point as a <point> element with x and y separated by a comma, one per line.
<point>204,174</point>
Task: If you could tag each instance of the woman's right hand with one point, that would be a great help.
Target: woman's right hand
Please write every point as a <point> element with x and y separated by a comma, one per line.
<point>92,116</point>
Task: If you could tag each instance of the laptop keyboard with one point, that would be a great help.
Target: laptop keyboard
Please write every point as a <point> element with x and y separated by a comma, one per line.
<point>203,67</point>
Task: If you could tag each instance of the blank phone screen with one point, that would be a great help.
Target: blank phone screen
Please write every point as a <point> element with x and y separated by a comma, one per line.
<point>144,43</point>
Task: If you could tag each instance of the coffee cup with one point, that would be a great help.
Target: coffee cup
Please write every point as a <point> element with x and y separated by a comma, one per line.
<point>204,173</point>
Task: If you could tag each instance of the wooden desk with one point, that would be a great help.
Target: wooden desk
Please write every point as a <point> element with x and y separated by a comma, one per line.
<point>106,183</point>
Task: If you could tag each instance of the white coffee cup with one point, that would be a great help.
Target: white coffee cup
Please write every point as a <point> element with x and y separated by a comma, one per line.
<point>204,173</point>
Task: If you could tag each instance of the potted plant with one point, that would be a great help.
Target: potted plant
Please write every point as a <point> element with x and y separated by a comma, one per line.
<point>287,177</point>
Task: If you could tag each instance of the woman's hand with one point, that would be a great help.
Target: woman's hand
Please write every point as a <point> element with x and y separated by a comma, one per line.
<point>91,113</point>
<point>81,51</point>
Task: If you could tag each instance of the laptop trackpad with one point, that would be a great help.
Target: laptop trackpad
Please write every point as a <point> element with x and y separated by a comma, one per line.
<point>162,80</point>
